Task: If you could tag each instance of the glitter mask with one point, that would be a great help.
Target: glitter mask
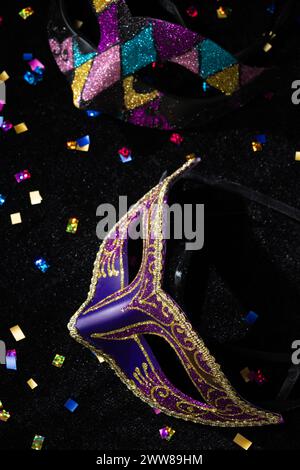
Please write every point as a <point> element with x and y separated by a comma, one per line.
<point>120,315</point>
<point>107,77</point>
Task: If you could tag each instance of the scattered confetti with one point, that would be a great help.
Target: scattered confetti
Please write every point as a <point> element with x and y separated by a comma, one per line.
<point>72,225</point>
<point>42,264</point>
<point>35,198</point>
<point>20,128</point>
<point>167,433</point>
<point>259,377</point>
<point>16,218</point>
<point>2,199</point>
<point>92,113</point>
<point>4,76</point>
<point>11,359</point>
<point>205,86</point>
<point>125,155</point>
<point>58,361</point>
<point>71,405</point>
<point>6,126</point>
<point>242,442</point>
<point>156,411</point>
<point>100,358</point>
<point>26,12</point>
<point>37,442</point>
<point>31,78</point>
<point>4,415</point>
<point>22,176</point>
<point>297,156</point>
<point>246,374</point>
<point>267,47</point>
<point>261,138</point>
<point>32,384</point>
<point>176,139</point>
<point>257,146</point>
<point>27,56</point>
<point>35,65</point>
<point>223,13</point>
<point>251,318</point>
<point>82,144</point>
<point>192,11</point>
<point>17,333</point>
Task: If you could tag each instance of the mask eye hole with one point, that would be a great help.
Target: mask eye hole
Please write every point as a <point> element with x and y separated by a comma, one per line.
<point>174,79</point>
<point>83,20</point>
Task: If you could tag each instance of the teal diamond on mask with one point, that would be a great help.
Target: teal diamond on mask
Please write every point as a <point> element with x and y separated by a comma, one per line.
<point>79,57</point>
<point>138,52</point>
<point>213,58</point>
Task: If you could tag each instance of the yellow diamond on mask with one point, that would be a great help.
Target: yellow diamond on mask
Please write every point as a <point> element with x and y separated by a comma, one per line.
<point>227,81</point>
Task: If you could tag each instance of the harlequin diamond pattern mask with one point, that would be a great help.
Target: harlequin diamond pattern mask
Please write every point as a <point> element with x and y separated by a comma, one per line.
<point>107,76</point>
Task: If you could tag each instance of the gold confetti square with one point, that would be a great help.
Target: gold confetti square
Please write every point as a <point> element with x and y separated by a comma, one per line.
<point>4,415</point>
<point>245,373</point>
<point>257,147</point>
<point>297,156</point>
<point>20,128</point>
<point>4,76</point>
<point>35,198</point>
<point>32,384</point>
<point>100,358</point>
<point>17,333</point>
<point>267,47</point>
<point>242,442</point>
<point>16,218</point>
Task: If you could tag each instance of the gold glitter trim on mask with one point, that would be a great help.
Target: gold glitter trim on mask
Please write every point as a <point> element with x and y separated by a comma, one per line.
<point>227,81</point>
<point>134,99</point>
<point>81,74</point>
<point>185,413</point>
<point>100,5</point>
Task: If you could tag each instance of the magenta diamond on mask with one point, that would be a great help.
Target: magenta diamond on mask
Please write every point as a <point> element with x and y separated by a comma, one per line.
<point>108,21</point>
<point>173,40</point>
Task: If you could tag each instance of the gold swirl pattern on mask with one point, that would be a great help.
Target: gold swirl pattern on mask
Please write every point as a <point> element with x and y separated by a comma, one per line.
<point>254,416</point>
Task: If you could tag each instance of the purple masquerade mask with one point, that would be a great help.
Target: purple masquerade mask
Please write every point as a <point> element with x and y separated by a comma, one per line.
<point>119,315</point>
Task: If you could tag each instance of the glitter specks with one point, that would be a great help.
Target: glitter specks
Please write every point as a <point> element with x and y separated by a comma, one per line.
<point>167,433</point>
<point>214,59</point>
<point>138,52</point>
<point>42,265</point>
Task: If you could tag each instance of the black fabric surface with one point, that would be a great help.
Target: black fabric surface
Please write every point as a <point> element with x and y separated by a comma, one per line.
<point>73,184</point>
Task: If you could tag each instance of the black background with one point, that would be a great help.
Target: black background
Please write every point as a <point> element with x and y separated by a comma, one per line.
<point>73,184</point>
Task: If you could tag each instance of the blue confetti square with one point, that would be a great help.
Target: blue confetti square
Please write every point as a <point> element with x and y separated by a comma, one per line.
<point>138,52</point>
<point>27,56</point>
<point>42,264</point>
<point>2,200</point>
<point>261,138</point>
<point>251,318</point>
<point>83,141</point>
<point>30,78</point>
<point>92,113</point>
<point>71,405</point>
